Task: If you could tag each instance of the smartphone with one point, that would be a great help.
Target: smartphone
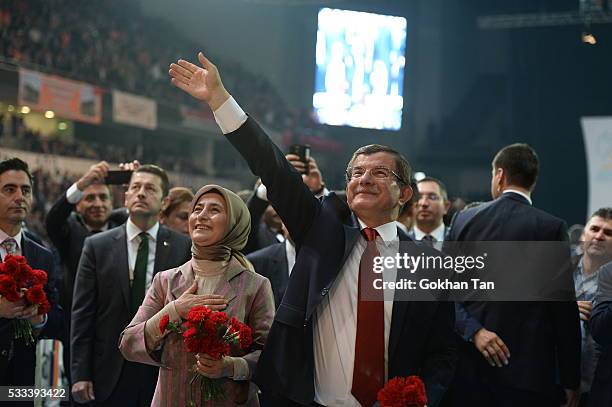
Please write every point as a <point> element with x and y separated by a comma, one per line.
<point>302,151</point>
<point>118,177</point>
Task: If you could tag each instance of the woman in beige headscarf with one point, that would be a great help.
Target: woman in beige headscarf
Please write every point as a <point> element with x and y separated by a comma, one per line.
<point>217,276</point>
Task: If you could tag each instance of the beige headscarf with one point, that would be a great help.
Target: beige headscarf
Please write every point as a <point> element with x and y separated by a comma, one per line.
<point>237,230</point>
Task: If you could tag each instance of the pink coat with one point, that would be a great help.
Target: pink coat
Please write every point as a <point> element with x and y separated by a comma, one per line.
<point>250,300</point>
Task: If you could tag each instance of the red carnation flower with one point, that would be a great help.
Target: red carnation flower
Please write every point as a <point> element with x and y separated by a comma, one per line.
<point>246,337</point>
<point>36,294</point>
<point>163,323</point>
<point>11,267</point>
<point>198,314</point>
<point>403,392</point>
<point>40,277</point>
<point>190,333</point>
<point>20,259</point>
<point>23,275</point>
<point>8,288</point>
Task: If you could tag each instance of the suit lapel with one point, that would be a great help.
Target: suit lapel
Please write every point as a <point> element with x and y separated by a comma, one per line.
<point>120,255</point>
<point>400,310</point>
<point>162,249</point>
<point>281,264</point>
<point>226,287</point>
<point>351,234</point>
<point>185,280</point>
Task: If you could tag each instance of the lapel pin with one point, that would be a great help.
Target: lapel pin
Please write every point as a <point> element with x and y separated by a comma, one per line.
<point>166,243</point>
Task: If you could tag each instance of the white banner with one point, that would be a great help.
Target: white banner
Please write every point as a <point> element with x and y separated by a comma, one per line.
<point>134,110</point>
<point>597,132</point>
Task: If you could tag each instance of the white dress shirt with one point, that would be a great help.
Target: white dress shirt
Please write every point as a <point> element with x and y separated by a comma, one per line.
<point>437,233</point>
<point>524,195</point>
<point>133,241</point>
<point>290,252</point>
<point>335,319</point>
<point>4,236</point>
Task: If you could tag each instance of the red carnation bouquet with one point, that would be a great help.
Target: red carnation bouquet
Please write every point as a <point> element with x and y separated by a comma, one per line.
<point>403,392</point>
<point>18,281</point>
<point>212,333</point>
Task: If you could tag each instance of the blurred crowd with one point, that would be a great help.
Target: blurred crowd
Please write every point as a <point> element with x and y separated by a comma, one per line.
<point>113,45</point>
<point>15,134</point>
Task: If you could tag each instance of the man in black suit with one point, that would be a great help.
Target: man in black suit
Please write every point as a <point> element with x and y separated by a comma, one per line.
<point>275,262</point>
<point>115,268</point>
<point>328,345</point>
<point>515,353</point>
<point>86,208</point>
<point>430,208</point>
<point>18,360</point>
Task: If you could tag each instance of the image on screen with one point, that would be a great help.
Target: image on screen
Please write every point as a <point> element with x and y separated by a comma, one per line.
<point>359,69</point>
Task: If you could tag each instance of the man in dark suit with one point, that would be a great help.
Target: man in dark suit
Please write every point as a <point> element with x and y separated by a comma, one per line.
<point>18,360</point>
<point>328,345</point>
<point>515,353</point>
<point>115,268</point>
<point>430,208</point>
<point>600,325</point>
<point>275,262</point>
<point>86,208</point>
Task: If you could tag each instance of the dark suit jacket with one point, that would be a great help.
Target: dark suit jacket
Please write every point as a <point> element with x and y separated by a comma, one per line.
<point>543,337</point>
<point>19,370</point>
<point>261,235</point>
<point>101,306</point>
<point>600,324</point>
<point>325,231</point>
<point>271,262</point>
<point>67,231</point>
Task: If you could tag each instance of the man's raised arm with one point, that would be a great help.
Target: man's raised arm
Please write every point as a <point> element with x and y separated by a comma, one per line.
<point>291,198</point>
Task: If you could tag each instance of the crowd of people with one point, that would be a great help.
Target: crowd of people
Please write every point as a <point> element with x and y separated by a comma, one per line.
<point>112,44</point>
<point>15,134</point>
<point>294,261</point>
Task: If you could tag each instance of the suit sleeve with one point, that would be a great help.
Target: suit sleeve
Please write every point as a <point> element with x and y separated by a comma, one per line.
<point>600,322</point>
<point>260,319</point>
<point>566,323</point>
<point>57,223</point>
<point>291,198</point>
<point>465,324</point>
<point>84,315</point>
<point>441,354</point>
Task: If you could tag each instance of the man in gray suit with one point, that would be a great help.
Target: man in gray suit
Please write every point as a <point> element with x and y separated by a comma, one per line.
<point>115,269</point>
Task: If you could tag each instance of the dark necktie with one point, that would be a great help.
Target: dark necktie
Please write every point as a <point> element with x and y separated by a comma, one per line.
<point>369,367</point>
<point>429,240</point>
<point>140,272</point>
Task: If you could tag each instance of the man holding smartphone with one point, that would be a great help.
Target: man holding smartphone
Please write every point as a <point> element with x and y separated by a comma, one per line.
<point>86,208</point>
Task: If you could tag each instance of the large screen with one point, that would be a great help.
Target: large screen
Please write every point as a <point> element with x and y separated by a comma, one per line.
<point>360,69</point>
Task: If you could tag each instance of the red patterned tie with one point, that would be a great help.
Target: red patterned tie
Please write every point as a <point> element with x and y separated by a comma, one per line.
<point>369,368</point>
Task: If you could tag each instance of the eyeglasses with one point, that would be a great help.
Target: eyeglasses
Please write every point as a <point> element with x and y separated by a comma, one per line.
<point>430,197</point>
<point>379,172</point>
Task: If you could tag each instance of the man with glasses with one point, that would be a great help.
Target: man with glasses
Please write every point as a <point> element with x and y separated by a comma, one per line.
<point>328,344</point>
<point>431,207</point>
